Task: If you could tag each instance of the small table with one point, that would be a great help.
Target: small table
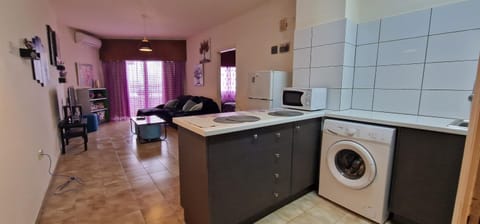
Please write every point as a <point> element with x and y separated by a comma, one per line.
<point>148,128</point>
<point>73,129</point>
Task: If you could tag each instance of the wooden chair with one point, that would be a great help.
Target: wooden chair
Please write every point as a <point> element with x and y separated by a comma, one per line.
<point>74,125</point>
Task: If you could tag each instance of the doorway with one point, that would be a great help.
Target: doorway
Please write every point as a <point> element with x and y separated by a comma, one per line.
<point>228,80</point>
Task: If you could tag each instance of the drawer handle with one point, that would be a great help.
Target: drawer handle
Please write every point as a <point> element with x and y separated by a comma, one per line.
<point>276,195</point>
<point>278,135</point>
<point>255,137</point>
<point>297,127</point>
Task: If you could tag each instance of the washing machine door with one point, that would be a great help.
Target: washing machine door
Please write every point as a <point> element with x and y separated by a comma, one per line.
<point>351,164</point>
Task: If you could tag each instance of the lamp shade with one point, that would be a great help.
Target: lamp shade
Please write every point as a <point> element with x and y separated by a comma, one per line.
<point>145,46</point>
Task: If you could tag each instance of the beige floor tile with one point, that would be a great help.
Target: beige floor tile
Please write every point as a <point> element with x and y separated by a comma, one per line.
<point>130,183</point>
<point>289,212</point>
<point>271,219</point>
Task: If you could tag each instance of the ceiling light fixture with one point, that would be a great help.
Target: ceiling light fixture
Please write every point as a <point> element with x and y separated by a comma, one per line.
<point>145,44</point>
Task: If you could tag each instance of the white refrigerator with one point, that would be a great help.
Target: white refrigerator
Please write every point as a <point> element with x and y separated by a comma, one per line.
<point>265,89</point>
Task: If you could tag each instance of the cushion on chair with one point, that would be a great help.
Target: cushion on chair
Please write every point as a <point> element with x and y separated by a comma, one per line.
<point>196,107</point>
<point>171,104</point>
<point>189,104</point>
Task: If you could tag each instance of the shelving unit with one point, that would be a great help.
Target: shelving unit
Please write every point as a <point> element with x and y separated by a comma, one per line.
<point>94,100</point>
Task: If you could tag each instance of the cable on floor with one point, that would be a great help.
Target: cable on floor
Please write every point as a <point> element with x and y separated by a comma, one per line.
<point>70,179</point>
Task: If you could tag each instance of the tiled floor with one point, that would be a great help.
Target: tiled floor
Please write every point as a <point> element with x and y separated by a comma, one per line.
<point>130,183</point>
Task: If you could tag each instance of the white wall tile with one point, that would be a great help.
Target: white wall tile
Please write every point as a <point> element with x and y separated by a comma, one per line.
<point>368,32</point>
<point>328,55</point>
<point>349,55</point>
<point>347,78</point>
<point>303,38</point>
<point>364,77</point>
<point>351,32</point>
<point>402,52</point>
<point>366,55</point>
<point>444,103</point>
<point>327,77</point>
<point>454,17</point>
<point>396,101</point>
<point>454,46</point>
<point>399,77</point>
<point>329,33</point>
<point>333,99</point>
<point>450,75</point>
<point>346,99</point>
<point>301,77</point>
<point>362,99</point>
<point>301,58</point>
<point>409,25</point>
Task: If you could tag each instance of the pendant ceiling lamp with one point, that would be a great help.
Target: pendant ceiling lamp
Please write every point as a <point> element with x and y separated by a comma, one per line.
<point>145,44</point>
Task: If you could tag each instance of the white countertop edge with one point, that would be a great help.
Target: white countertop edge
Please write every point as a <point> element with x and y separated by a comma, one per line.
<point>400,120</point>
<point>391,119</point>
<point>183,122</point>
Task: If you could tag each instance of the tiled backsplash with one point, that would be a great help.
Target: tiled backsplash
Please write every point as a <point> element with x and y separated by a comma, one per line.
<point>421,63</point>
<point>324,56</point>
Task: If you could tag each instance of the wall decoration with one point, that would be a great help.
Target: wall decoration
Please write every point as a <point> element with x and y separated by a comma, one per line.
<point>40,65</point>
<point>84,74</point>
<point>52,45</point>
<point>205,51</point>
<point>198,75</point>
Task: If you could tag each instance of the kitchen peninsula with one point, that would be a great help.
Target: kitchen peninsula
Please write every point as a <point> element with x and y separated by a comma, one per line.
<point>239,172</point>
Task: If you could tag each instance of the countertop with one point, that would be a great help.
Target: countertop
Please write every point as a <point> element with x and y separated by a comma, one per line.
<point>400,120</point>
<point>205,126</point>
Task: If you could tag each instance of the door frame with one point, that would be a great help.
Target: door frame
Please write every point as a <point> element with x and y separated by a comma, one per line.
<point>470,164</point>
<point>219,77</point>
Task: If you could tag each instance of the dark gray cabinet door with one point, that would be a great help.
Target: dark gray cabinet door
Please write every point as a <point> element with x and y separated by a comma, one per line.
<point>425,175</point>
<point>306,154</point>
<point>242,168</point>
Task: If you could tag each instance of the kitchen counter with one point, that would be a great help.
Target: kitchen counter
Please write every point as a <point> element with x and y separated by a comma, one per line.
<point>205,126</point>
<point>400,120</point>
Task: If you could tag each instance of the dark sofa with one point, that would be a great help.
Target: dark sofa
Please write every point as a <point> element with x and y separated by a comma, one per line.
<point>168,112</point>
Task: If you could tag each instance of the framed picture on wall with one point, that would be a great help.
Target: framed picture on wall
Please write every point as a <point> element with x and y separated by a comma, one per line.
<point>84,74</point>
<point>52,45</point>
<point>198,75</point>
<point>205,51</point>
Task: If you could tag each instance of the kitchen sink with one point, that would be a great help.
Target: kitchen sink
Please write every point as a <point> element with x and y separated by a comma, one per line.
<point>459,123</point>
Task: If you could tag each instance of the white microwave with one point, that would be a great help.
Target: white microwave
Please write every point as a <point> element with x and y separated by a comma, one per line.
<point>304,98</point>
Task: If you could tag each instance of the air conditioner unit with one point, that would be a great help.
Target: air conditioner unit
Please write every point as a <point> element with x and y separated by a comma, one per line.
<point>87,40</point>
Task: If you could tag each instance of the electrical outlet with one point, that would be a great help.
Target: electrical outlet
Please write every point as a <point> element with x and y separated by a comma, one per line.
<point>40,154</point>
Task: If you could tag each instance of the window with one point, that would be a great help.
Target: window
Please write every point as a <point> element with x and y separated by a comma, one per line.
<point>228,83</point>
<point>144,84</point>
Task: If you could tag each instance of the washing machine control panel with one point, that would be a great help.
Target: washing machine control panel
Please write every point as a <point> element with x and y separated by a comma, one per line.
<point>359,131</point>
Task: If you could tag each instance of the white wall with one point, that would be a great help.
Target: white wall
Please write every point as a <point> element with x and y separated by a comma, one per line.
<point>252,34</point>
<point>72,52</point>
<point>366,10</point>
<point>314,12</point>
<point>28,113</point>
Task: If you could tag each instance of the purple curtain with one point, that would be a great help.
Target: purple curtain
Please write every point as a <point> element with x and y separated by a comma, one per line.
<point>228,84</point>
<point>117,86</point>
<point>173,73</point>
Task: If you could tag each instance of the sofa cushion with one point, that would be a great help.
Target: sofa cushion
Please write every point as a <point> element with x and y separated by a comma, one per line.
<point>189,104</point>
<point>171,104</point>
<point>196,107</point>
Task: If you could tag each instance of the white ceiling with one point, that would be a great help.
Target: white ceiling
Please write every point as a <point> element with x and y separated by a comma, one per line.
<point>166,19</point>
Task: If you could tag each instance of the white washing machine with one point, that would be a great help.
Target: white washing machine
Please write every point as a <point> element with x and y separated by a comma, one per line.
<point>355,167</point>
